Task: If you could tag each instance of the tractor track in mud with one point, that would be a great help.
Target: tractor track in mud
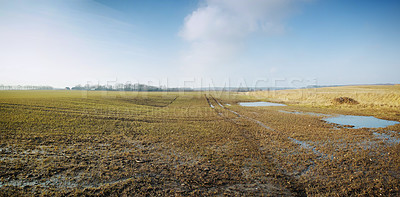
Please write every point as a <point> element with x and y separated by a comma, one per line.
<point>302,144</point>
<point>295,187</point>
<point>194,144</point>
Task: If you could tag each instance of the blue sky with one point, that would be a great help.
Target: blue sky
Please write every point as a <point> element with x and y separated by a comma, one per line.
<point>199,43</point>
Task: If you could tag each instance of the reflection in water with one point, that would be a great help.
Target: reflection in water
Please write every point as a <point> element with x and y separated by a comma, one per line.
<point>361,121</point>
<point>386,138</point>
<point>306,146</point>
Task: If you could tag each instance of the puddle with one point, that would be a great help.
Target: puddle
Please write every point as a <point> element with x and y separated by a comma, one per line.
<point>361,121</point>
<point>371,143</point>
<point>19,183</point>
<point>228,104</point>
<point>211,105</point>
<point>301,143</point>
<point>261,124</point>
<point>394,132</point>
<point>386,138</point>
<point>304,113</point>
<point>259,104</point>
<point>234,113</point>
<point>306,146</point>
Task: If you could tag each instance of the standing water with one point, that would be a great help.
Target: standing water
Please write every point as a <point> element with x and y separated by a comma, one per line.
<point>361,121</point>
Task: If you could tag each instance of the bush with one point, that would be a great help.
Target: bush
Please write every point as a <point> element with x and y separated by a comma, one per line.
<point>345,100</point>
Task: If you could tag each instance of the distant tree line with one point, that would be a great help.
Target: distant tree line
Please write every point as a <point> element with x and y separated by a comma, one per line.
<point>147,88</point>
<point>25,87</point>
<point>127,87</point>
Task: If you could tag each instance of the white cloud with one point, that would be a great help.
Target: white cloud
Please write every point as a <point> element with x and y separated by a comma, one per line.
<point>217,30</point>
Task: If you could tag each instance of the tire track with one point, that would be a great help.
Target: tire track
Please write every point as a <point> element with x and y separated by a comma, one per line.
<point>297,188</point>
<point>302,144</point>
<point>243,116</point>
<point>171,101</point>
<point>305,145</point>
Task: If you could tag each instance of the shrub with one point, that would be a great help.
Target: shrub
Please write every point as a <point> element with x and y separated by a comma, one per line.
<point>344,100</point>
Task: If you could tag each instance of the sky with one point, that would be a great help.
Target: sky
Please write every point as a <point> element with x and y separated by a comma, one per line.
<point>199,43</point>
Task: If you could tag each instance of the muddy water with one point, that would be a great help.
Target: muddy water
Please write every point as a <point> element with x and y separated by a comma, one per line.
<point>260,104</point>
<point>305,145</point>
<point>386,138</point>
<point>360,121</point>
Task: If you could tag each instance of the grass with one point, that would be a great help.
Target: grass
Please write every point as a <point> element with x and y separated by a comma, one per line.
<point>129,143</point>
<point>379,100</point>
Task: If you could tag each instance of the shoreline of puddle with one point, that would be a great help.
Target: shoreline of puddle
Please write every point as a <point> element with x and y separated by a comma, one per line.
<point>346,121</point>
<point>356,122</point>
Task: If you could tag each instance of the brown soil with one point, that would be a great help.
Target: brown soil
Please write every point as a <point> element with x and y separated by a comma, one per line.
<point>123,146</point>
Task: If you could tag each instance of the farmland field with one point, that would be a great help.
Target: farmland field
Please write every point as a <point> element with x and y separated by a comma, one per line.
<point>197,143</point>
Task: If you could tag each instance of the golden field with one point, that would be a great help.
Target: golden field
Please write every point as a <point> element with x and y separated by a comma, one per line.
<point>378,100</point>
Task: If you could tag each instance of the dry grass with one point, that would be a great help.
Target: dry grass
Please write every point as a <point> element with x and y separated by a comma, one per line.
<point>379,100</point>
<point>119,143</point>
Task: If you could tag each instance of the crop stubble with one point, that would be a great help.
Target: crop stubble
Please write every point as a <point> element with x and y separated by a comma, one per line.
<point>124,143</point>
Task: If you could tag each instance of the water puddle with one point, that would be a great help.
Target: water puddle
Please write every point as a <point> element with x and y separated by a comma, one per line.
<point>306,146</point>
<point>260,104</point>
<point>360,121</point>
<point>261,124</point>
<point>228,104</point>
<point>304,113</point>
<point>386,138</point>
<point>19,183</point>
<point>394,132</point>
<point>301,143</point>
<point>234,113</point>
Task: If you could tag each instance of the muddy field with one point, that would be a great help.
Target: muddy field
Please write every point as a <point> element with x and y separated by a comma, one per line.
<point>199,143</point>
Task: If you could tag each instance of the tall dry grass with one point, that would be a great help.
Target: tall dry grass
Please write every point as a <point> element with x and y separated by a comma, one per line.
<point>380,99</point>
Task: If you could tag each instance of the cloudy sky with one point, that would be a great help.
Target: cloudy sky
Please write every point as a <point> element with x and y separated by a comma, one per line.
<point>199,42</point>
